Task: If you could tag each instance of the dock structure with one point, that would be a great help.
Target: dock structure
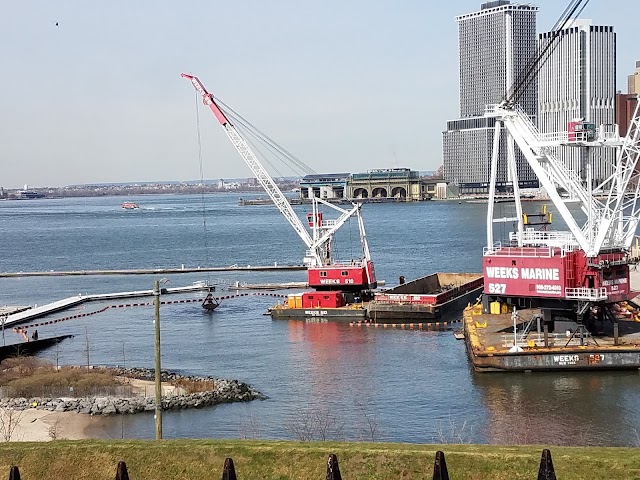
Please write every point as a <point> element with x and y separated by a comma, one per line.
<point>41,311</point>
<point>155,271</point>
<point>10,310</point>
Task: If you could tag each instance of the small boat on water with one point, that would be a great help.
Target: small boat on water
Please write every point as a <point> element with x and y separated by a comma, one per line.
<point>130,205</point>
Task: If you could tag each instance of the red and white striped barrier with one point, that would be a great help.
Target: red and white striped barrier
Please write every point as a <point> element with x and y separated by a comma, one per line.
<point>147,304</point>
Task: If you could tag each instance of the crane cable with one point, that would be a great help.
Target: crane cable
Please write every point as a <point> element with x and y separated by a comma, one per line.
<point>202,192</point>
<point>248,128</point>
<point>535,63</point>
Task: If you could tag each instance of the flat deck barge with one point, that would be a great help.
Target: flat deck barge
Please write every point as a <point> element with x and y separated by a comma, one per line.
<point>436,296</point>
<point>430,299</point>
<point>490,342</point>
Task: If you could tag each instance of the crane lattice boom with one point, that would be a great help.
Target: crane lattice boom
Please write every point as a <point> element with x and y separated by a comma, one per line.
<point>318,253</point>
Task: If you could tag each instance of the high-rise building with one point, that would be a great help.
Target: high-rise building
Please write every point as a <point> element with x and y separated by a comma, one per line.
<point>578,81</point>
<point>634,80</point>
<point>625,108</point>
<point>495,44</point>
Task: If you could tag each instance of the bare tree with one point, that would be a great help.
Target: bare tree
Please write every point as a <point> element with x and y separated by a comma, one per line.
<point>87,349</point>
<point>54,430</point>
<point>57,356</point>
<point>250,428</point>
<point>370,421</point>
<point>10,419</point>
<point>314,423</point>
<point>453,432</point>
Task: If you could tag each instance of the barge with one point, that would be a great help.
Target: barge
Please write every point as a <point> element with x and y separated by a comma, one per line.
<point>497,343</point>
<point>427,299</point>
<point>320,305</point>
<point>436,296</point>
<point>30,347</point>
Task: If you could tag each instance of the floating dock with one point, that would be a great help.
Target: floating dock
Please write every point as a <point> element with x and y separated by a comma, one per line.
<point>492,345</point>
<point>10,310</point>
<point>29,348</point>
<point>155,271</point>
<point>41,311</point>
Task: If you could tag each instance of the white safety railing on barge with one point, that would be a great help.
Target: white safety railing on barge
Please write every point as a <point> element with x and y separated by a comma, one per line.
<point>338,265</point>
<point>591,294</point>
<point>564,240</point>
<point>537,340</point>
<point>526,252</point>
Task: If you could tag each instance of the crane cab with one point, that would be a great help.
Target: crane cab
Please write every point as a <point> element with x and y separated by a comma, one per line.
<point>580,131</point>
<point>318,220</point>
<point>355,276</point>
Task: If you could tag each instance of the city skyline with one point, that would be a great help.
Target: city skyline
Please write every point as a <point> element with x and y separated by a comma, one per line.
<point>98,98</point>
<point>577,81</point>
<point>496,43</point>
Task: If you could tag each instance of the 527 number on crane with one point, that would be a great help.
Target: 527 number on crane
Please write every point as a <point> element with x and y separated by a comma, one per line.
<point>499,288</point>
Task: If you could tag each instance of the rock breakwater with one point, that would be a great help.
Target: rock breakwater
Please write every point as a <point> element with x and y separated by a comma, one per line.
<point>224,391</point>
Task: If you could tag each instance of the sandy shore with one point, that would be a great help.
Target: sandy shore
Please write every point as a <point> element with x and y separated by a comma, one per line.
<point>41,426</point>
<point>34,425</point>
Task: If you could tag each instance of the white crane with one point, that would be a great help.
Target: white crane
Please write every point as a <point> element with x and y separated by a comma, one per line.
<point>318,254</point>
<point>611,207</point>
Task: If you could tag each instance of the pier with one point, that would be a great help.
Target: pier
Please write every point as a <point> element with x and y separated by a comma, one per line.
<point>153,271</point>
<point>9,310</point>
<point>37,312</point>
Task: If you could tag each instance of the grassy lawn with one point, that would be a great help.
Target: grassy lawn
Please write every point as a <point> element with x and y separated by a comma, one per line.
<point>204,459</point>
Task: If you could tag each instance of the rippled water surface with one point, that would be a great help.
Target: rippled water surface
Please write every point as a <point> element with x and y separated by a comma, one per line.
<point>407,386</point>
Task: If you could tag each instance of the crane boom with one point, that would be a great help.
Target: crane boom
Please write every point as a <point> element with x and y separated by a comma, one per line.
<point>258,170</point>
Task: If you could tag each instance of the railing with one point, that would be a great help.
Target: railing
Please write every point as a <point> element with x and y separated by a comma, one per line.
<point>564,240</point>
<point>338,265</point>
<point>537,340</point>
<point>528,252</point>
<point>440,470</point>
<point>554,137</point>
<point>591,294</point>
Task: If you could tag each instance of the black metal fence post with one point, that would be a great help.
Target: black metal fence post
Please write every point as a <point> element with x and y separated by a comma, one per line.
<point>14,473</point>
<point>440,471</point>
<point>333,470</point>
<point>229,472</point>
<point>546,471</point>
<point>121,471</point>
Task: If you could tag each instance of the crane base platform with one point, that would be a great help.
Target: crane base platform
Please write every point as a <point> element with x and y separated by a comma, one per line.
<point>492,345</point>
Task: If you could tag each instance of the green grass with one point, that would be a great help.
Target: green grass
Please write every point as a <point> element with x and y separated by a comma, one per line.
<point>204,459</point>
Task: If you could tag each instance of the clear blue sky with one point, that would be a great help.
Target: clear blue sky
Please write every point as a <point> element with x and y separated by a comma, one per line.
<point>345,85</point>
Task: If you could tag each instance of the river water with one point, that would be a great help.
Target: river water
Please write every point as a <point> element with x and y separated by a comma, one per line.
<point>348,382</point>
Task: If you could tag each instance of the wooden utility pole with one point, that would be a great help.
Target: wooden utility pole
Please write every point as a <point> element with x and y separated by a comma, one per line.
<point>158,416</point>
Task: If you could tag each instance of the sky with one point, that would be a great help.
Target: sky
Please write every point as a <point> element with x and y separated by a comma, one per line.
<point>344,85</point>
